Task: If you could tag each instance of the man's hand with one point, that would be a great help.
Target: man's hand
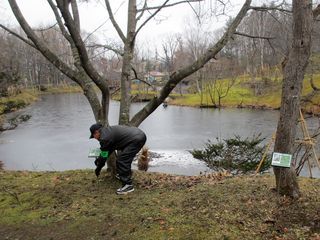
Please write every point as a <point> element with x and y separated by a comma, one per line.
<point>97,171</point>
<point>99,162</point>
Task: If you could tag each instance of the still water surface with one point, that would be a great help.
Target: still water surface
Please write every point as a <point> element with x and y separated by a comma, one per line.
<point>57,135</point>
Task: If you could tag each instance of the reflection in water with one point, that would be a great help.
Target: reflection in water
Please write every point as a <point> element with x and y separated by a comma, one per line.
<point>57,135</point>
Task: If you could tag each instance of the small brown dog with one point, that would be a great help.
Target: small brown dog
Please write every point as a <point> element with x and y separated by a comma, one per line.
<point>143,160</point>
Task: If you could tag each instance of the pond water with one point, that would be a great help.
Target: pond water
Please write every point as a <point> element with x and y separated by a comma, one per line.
<point>57,135</point>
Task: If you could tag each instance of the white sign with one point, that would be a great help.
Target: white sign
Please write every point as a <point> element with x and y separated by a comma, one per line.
<point>281,160</point>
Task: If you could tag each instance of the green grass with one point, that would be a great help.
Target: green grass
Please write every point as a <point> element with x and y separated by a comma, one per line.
<point>241,93</point>
<point>76,205</point>
<point>21,100</point>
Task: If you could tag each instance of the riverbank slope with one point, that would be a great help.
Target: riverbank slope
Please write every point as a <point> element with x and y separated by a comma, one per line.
<point>77,205</point>
<point>262,93</point>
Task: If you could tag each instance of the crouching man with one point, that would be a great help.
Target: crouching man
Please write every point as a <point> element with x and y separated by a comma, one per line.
<point>128,141</point>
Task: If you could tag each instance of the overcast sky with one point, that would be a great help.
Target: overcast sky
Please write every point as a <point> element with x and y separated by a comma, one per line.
<point>94,14</point>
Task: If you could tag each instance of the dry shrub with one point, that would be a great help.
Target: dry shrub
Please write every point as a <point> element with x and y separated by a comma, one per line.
<point>143,160</point>
<point>1,165</point>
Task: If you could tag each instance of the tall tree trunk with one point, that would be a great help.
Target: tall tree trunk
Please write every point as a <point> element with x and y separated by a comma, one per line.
<point>124,113</point>
<point>293,74</point>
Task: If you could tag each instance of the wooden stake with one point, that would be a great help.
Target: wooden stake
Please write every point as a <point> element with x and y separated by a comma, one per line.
<point>265,153</point>
<point>308,139</point>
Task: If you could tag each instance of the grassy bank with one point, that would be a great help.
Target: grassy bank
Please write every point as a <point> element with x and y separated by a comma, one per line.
<point>75,205</point>
<point>244,94</point>
<point>21,100</point>
<point>14,103</point>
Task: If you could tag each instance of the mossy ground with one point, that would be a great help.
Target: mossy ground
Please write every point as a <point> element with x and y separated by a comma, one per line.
<point>77,205</point>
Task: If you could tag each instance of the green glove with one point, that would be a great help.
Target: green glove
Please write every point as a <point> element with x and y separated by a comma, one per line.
<point>104,154</point>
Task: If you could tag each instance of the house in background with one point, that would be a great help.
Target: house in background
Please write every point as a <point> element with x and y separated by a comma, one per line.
<point>155,77</point>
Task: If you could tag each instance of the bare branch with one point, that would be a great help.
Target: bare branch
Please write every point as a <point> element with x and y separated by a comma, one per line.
<point>45,29</point>
<point>168,5</point>
<point>141,80</point>
<point>266,9</point>
<point>96,30</point>
<point>102,24</point>
<point>108,47</point>
<point>198,17</point>
<point>115,91</point>
<point>135,72</point>
<point>224,7</point>
<point>273,8</point>
<point>18,36</point>
<point>114,23</point>
<point>251,36</point>
<point>60,23</point>
<point>143,10</point>
<point>136,77</point>
<point>257,37</point>
<point>150,17</point>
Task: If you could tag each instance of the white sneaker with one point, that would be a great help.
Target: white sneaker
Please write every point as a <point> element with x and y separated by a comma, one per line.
<point>125,189</point>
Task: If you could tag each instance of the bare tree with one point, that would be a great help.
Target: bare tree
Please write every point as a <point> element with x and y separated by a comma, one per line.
<point>169,47</point>
<point>223,88</point>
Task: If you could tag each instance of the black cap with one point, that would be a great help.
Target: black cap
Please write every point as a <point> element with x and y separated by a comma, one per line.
<point>94,128</point>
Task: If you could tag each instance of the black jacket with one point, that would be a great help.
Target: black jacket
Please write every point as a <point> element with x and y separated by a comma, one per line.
<point>118,137</point>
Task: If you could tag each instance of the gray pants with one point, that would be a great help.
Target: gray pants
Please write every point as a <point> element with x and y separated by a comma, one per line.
<point>126,156</point>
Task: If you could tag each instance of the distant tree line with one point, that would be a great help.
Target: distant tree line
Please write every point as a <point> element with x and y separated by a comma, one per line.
<point>259,46</point>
